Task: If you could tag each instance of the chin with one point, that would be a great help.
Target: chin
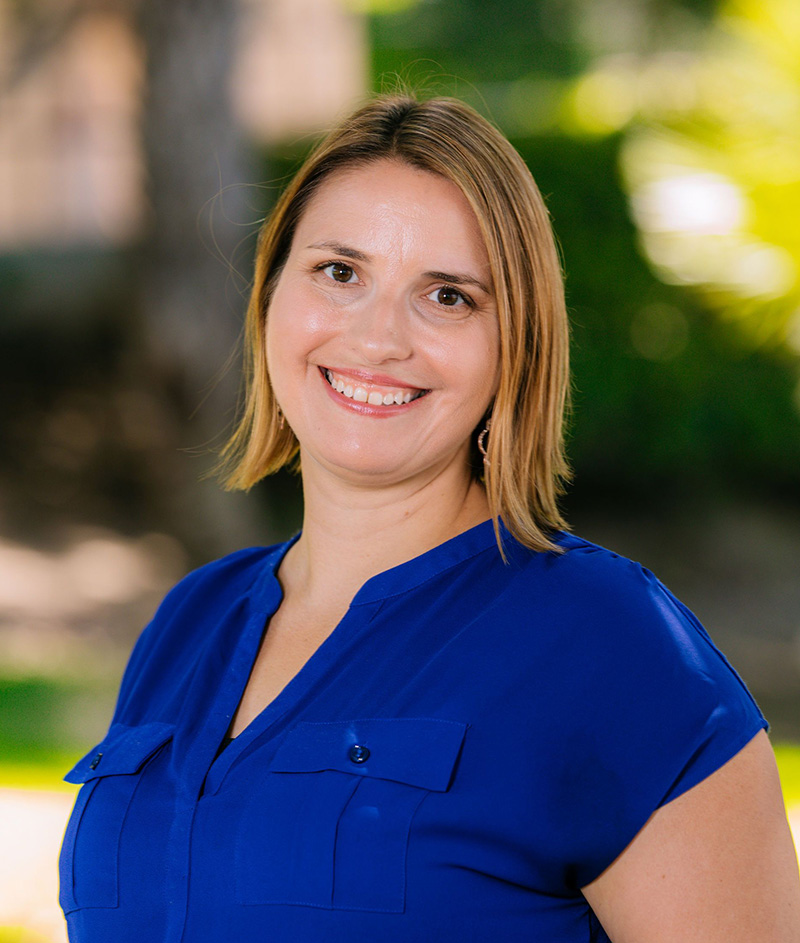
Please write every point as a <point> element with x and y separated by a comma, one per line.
<point>363,467</point>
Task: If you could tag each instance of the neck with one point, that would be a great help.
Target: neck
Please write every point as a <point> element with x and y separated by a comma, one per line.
<point>351,533</point>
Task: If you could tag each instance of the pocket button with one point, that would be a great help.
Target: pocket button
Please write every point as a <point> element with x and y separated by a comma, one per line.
<point>358,753</point>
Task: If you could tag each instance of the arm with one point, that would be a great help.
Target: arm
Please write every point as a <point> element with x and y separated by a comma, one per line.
<point>715,865</point>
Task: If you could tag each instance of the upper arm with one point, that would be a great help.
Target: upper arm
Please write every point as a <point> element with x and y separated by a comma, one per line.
<point>715,865</point>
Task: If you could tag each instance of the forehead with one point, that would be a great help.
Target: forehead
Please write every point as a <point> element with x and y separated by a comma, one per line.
<point>391,206</point>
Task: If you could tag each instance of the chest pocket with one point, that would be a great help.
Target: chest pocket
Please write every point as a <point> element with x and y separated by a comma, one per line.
<point>329,824</point>
<point>89,862</point>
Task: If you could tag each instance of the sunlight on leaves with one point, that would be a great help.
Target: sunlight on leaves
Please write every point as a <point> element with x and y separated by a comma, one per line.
<point>711,162</point>
<point>380,6</point>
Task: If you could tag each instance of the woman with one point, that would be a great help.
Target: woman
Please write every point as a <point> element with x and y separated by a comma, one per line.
<point>432,715</point>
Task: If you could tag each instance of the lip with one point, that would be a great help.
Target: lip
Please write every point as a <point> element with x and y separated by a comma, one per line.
<point>365,409</point>
<point>376,379</point>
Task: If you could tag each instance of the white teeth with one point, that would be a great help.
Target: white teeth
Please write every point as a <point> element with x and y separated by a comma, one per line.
<point>373,397</point>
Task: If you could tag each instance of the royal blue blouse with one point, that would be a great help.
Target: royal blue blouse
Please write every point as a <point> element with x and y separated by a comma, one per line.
<point>474,742</point>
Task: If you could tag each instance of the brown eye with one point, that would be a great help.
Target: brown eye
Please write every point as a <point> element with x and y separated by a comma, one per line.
<point>449,296</point>
<point>339,272</point>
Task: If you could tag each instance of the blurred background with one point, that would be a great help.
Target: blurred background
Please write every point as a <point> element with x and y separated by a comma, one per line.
<point>141,144</point>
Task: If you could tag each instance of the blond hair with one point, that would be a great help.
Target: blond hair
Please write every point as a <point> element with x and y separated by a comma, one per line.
<point>526,466</point>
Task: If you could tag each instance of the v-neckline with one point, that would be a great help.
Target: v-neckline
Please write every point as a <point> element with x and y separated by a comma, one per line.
<point>304,680</point>
<point>265,598</point>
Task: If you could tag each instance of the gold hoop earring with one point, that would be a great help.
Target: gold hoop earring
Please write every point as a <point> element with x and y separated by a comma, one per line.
<point>281,418</point>
<point>482,439</point>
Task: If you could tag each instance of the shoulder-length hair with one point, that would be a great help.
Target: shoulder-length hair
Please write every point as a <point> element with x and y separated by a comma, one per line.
<point>526,467</point>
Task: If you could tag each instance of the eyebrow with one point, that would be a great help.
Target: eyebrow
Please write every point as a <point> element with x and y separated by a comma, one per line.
<point>339,249</point>
<point>459,280</point>
<point>449,277</point>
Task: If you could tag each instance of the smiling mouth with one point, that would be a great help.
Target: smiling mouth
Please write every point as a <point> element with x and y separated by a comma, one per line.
<point>370,393</point>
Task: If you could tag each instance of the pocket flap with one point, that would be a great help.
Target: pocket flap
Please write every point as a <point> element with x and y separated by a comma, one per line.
<point>123,750</point>
<point>418,751</point>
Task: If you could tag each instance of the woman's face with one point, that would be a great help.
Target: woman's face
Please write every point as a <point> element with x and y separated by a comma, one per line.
<point>382,335</point>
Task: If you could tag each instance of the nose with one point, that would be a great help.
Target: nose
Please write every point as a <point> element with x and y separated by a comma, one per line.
<point>379,329</point>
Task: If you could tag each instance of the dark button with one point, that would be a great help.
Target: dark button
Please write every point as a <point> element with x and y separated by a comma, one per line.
<point>96,761</point>
<point>358,753</point>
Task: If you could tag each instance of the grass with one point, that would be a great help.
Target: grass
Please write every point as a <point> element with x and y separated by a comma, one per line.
<point>19,934</point>
<point>38,775</point>
<point>46,725</point>
<point>788,757</point>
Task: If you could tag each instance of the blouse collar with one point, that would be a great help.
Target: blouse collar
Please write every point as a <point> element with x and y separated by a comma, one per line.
<point>398,579</point>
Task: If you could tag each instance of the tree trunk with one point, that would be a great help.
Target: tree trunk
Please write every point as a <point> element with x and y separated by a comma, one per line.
<point>198,166</point>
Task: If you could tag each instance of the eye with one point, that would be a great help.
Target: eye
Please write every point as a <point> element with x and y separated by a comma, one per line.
<point>339,272</point>
<point>449,297</point>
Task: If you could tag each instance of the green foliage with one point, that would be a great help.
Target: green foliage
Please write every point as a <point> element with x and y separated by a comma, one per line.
<point>712,162</point>
<point>463,47</point>
<point>670,421</point>
<point>454,44</point>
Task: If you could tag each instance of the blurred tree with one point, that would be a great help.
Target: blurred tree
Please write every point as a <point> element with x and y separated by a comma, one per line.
<point>670,407</point>
<point>714,171</point>
<point>456,44</point>
<point>177,311</point>
<point>196,156</point>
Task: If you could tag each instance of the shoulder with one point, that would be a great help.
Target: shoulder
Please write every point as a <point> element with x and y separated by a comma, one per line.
<point>634,663</point>
<point>577,560</point>
<point>617,622</point>
<point>219,580</point>
<point>645,705</point>
<point>587,583</point>
<point>190,618</point>
<point>209,590</point>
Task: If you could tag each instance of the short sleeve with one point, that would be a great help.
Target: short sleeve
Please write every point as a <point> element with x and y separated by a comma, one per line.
<point>652,708</point>
<point>735,718</point>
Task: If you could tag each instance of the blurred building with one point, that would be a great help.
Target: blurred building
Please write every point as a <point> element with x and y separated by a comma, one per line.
<point>71,83</point>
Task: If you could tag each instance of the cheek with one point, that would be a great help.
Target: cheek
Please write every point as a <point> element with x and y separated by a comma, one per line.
<point>293,328</point>
<point>491,355</point>
<point>492,360</point>
<point>285,347</point>
<point>275,345</point>
<point>487,373</point>
<point>478,363</point>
